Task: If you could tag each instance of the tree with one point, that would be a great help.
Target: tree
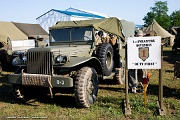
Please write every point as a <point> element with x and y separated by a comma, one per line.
<point>149,18</point>
<point>175,18</point>
<point>159,13</point>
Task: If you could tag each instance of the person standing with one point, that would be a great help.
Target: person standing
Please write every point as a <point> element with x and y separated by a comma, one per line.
<point>135,76</point>
<point>176,44</point>
<point>117,63</point>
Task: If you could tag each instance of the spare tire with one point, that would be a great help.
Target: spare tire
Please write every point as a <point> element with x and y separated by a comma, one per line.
<point>105,55</point>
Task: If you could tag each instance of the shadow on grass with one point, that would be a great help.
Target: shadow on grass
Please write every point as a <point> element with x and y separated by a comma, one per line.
<point>112,89</point>
<point>63,100</point>
<point>36,95</point>
<point>63,97</point>
<point>111,85</point>
<point>108,82</point>
<point>167,92</point>
<point>171,57</point>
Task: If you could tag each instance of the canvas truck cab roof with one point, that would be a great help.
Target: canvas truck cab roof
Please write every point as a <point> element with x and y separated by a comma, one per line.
<point>109,25</point>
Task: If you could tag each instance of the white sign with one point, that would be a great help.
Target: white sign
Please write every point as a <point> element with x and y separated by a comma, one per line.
<point>144,52</point>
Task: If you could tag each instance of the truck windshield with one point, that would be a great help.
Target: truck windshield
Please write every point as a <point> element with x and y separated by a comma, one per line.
<point>71,34</point>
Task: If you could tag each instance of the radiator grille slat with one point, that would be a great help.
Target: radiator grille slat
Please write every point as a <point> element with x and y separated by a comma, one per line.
<point>39,62</point>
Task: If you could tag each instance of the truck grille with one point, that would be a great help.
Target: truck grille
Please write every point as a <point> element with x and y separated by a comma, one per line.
<point>39,62</point>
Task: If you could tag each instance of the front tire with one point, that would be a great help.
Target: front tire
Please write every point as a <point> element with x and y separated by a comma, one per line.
<point>86,86</point>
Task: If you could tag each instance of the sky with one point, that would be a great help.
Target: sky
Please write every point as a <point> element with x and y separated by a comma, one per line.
<point>26,11</point>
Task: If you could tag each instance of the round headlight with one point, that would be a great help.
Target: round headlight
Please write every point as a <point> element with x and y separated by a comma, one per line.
<point>59,58</point>
<point>24,58</point>
<point>17,61</point>
<point>20,60</point>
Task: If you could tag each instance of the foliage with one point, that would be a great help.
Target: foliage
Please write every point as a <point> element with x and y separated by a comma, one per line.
<point>175,18</point>
<point>159,13</point>
<point>149,18</point>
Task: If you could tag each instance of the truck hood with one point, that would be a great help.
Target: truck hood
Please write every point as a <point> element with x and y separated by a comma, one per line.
<point>70,50</point>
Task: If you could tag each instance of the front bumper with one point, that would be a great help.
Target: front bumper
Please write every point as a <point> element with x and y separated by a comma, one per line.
<point>56,80</point>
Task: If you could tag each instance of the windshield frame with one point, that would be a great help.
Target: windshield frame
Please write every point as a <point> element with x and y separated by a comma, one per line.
<point>73,34</point>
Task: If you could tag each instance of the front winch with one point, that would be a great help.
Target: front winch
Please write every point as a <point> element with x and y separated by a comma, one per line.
<point>37,80</point>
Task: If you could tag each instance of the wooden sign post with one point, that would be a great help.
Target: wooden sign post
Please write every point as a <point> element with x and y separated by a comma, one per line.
<point>162,111</point>
<point>145,53</point>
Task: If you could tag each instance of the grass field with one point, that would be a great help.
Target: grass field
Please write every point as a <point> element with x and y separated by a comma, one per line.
<point>109,103</point>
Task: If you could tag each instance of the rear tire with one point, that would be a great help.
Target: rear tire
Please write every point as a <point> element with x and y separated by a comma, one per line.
<point>86,86</point>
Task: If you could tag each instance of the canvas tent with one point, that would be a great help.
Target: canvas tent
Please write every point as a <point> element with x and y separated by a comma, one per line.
<point>159,31</point>
<point>32,30</point>
<point>10,30</point>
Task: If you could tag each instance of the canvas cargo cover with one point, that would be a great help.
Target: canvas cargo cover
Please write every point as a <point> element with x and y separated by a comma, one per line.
<point>128,28</point>
<point>110,25</point>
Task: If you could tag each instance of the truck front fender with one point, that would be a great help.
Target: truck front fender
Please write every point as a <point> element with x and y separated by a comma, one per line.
<point>84,61</point>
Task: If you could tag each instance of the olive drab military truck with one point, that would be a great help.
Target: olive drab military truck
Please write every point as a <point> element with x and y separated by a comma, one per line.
<point>10,49</point>
<point>74,59</point>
